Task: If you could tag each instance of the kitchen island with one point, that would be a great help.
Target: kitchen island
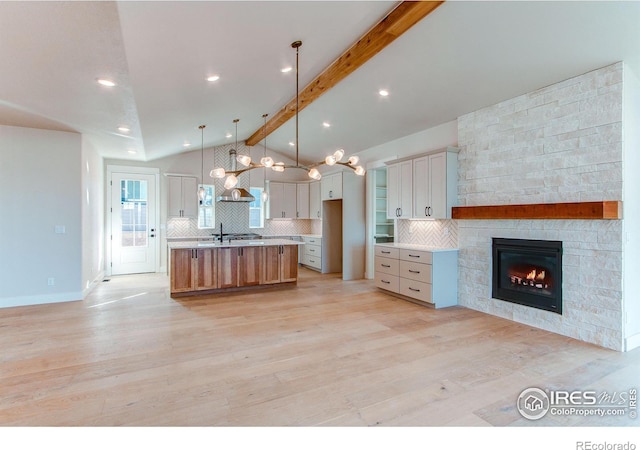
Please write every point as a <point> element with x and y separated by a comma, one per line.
<point>215,267</point>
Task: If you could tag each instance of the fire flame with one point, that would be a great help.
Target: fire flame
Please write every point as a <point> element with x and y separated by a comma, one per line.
<point>536,276</point>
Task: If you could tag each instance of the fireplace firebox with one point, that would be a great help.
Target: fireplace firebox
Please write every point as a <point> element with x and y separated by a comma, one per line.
<point>528,272</point>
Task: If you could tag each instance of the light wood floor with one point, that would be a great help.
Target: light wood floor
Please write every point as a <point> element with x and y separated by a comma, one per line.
<point>326,352</point>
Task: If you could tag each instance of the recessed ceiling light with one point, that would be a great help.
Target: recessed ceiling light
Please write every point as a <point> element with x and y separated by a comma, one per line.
<point>228,135</point>
<point>286,69</point>
<point>105,82</point>
<point>326,124</point>
<point>213,78</point>
<point>383,92</point>
<point>124,129</point>
<point>292,144</point>
<point>133,152</point>
<point>187,144</point>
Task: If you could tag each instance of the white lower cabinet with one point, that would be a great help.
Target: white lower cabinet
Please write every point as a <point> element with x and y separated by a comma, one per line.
<point>312,252</point>
<point>418,273</point>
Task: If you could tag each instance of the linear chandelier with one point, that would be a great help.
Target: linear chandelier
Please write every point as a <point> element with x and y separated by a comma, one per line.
<point>267,162</point>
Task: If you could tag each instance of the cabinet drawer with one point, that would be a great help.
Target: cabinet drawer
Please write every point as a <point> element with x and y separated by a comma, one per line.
<point>415,271</point>
<point>312,240</point>
<point>312,261</point>
<point>387,252</point>
<point>416,289</point>
<point>388,265</point>
<point>415,256</point>
<point>388,282</point>
<point>313,250</point>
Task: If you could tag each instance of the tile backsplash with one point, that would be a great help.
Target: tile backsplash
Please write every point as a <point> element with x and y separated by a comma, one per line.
<point>434,233</point>
<point>184,227</point>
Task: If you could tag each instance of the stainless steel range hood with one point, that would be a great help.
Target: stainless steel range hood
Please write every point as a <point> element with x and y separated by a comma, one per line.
<point>242,195</point>
<point>227,196</point>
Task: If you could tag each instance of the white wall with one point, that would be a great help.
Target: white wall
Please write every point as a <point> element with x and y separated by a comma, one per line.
<point>92,216</point>
<point>631,198</point>
<point>40,188</point>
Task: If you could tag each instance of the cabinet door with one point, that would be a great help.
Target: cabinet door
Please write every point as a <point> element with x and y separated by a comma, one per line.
<point>399,190</point>
<point>275,204</point>
<point>421,187</point>
<point>249,263</point>
<point>288,263</point>
<point>290,203</point>
<point>331,187</point>
<point>206,270</point>
<point>271,265</point>
<point>174,196</point>
<point>182,275</point>
<point>315,201</point>
<point>182,197</point>
<point>227,267</point>
<point>303,201</point>
<point>189,197</point>
<point>438,185</point>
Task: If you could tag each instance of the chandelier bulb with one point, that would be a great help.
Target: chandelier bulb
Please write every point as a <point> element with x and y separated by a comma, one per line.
<point>353,160</point>
<point>338,154</point>
<point>315,174</point>
<point>230,182</point>
<point>217,173</point>
<point>264,196</point>
<point>360,171</point>
<point>245,160</point>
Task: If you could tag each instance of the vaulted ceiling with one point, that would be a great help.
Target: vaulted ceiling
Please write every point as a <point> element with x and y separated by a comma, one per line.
<point>459,58</point>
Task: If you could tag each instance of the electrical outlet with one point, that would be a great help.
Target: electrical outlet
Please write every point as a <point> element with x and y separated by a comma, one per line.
<point>446,231</point>
<point>51,281</point>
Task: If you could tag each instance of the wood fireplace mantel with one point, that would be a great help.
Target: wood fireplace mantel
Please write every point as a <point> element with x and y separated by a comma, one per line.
<point>577,210</point>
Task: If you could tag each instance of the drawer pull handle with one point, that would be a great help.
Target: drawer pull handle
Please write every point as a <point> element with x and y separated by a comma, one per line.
<point>386,282</point>
<point>382,251</point>
<point>414,290</point>
<point>414,271</point>
<point>414,256</point>
<point>385,265</point>
<point>311,250</point>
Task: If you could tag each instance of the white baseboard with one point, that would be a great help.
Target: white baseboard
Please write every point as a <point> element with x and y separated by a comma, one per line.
<point>42,299</point>
<point>632,342</point>
<point>98,279</point>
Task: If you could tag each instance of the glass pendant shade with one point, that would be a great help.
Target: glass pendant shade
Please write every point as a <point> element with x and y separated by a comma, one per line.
<point>330,160</point>
<point>201,194</point>
<point>360,171</point>
<point>267,161</point>
<point>217,173</point>
<point>235,195</point>
<point>264,196</point>
<point>278,167</point>
<point>315,174</point>
<point>353,160</point>
<point>338,154</point>
<point>230,182</point>
<point>245,160</point>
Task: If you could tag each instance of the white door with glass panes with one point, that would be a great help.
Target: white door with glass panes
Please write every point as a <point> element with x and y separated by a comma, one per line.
<point>133,228</point>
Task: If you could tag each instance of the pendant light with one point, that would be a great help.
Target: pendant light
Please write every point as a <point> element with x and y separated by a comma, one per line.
<point>266,162</point>
<point>231,179</point>
<point>201,190</point>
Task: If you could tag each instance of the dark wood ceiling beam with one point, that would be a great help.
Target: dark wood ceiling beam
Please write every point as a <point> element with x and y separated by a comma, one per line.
<point>403,17</point>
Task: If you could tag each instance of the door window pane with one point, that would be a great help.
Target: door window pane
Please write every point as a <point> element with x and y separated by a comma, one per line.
<point>133,204</point>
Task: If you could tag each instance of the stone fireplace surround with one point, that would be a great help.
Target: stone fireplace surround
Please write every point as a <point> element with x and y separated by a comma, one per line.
<point>561,143</point>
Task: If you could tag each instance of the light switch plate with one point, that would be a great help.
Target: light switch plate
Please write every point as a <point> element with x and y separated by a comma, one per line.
<point>60,229</point>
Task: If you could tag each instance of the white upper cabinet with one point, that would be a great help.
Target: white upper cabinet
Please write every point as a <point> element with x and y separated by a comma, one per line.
<point>331,186</point>
<point>303,201</point>
<point>315,200</point>
<point>282,200</point>
<point>400,190</point>
<point>435,181</point>
<point>424,186</point>
<point>182,197</point>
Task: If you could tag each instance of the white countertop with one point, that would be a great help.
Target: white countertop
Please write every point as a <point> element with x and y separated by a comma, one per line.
<point>234,243</point>
<point>425,248</point>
